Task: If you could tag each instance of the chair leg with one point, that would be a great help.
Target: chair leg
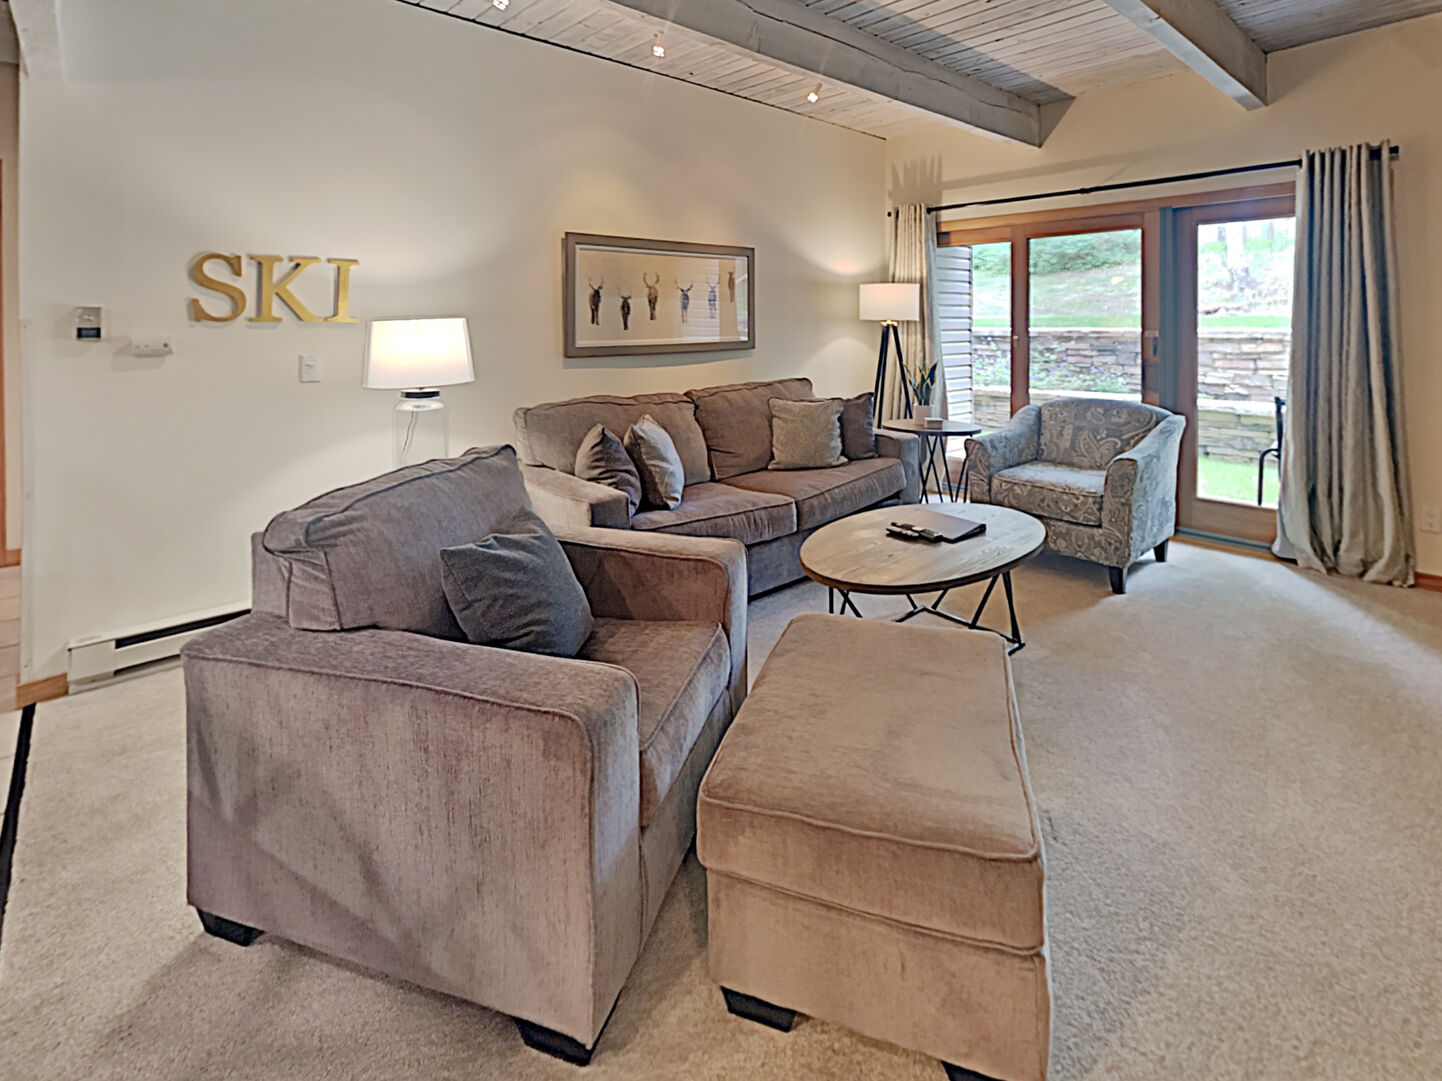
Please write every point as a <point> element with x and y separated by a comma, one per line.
<point>961,1073</point>
<point>229,930</point>
<point>1119,579</point>
<point>758,1010</point>
<point>553,1043</point>
<point>1161,551</point>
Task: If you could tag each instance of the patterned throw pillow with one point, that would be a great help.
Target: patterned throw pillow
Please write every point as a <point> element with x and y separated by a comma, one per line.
<point>515,589</point>
<point>805,435</point>
<point>662,476</point>
<point>602,459</point>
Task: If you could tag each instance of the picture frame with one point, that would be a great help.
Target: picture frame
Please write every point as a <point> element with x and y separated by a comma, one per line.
<point>623,296</point>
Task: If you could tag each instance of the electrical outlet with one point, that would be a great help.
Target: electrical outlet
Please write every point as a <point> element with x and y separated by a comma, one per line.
<point>310,368</point>
<point>1431,520</point>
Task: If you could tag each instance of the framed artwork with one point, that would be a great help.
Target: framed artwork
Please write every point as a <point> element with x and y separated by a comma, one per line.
<point>624,296</point>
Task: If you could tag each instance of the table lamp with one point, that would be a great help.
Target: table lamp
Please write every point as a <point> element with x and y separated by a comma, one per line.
<point>889,303</point>
<point>415,356</point>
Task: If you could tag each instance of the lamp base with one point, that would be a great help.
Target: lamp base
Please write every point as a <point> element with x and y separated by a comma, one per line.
<point>419,429</point>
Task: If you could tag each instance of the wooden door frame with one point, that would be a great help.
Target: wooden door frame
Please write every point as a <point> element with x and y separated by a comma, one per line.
<point>9,557</point>
<point>1219,517</point>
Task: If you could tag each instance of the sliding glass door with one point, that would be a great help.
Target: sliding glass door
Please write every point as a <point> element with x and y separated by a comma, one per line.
<point>1071,303</point>
<point>1234,299</point>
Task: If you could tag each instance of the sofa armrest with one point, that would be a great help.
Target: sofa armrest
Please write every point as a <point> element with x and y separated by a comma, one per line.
<point>1016,442</point>
<point>1139,499</point>
<point>563,500</point>
<point>462,817</point>
<point>908,448</point>
<point>662,576</point>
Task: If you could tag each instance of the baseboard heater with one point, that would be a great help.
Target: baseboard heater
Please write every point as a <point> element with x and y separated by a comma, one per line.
<point>100,657</point>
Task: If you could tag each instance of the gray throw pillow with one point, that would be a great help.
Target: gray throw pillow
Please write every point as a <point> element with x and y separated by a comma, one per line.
<point>858,434</point>
<point>516,590</point>
<point>601,458</point>
<point>805,435</point>
<point>662,476</point>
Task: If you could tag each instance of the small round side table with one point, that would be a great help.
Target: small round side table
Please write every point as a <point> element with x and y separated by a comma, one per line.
<point>934,438</point>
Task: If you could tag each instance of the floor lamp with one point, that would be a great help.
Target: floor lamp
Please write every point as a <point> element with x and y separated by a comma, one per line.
<point>890,303</point>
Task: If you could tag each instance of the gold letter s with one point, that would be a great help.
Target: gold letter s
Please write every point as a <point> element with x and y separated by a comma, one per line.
<point>198,314</point>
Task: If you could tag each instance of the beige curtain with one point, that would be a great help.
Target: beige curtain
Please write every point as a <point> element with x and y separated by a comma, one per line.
<point>1345,503</point>
<point>911,251</point>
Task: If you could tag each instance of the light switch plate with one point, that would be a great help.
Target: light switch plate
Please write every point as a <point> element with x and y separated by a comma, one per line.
<point>1431,520</point>
<point>311,368</point>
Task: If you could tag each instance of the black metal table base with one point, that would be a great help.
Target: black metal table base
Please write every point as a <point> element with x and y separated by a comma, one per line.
<point>935,472</point>
<point>934,609</point>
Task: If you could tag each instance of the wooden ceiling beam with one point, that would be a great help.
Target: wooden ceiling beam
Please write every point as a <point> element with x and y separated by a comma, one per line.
<point>797,38</point>
<point>37,26</point>
<point>1204,37</point>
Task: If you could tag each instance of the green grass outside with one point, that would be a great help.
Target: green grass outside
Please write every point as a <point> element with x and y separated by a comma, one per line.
<point>1237,481</point>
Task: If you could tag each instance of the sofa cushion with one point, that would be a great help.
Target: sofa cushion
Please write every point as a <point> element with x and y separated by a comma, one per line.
<point>515,589</point>
<point>736,422</point>
<point>663,477</point>
<point>719,510</point>
<point>805,435</point>
<point>681,672</point>
<point>551,433</point>
<point>1090,432</point>
<point>823,495</point>
<point>837,786</point>
<point>1052,490</point>
<point>603,459</point>
<point>369,555</point>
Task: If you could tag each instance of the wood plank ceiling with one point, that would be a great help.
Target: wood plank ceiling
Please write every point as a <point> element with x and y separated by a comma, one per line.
<point>1284,24</point>
<point>1044,51</point>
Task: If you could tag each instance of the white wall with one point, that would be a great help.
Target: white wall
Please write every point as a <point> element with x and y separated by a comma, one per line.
<point>449,160</point>
<point>1379,84</point>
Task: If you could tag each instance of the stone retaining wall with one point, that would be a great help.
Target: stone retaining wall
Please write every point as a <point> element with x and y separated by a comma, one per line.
<point>1232,365</point>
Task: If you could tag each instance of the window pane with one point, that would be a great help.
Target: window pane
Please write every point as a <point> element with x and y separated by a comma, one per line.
<point>1244,342</point>
<point>991,334</point>
<point>1086,315</point>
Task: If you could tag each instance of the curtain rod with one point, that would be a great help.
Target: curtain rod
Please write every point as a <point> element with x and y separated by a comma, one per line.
<point>1262,167</point>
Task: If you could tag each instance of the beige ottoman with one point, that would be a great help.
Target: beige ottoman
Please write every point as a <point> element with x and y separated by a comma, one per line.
<point>872,850</point>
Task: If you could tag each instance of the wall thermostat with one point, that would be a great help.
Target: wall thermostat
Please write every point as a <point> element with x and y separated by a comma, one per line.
<point>89,324</point>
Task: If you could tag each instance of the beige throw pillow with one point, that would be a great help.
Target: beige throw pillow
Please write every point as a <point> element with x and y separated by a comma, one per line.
<point>805,435</point>
<point>662,476</point>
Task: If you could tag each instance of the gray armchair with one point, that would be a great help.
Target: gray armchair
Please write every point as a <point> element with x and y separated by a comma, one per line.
<point>1101,475</point>
<point>496,825</point>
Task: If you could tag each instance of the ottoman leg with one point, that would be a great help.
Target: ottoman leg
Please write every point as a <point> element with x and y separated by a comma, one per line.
<point>961,1073</point>
<point>754,1009</point>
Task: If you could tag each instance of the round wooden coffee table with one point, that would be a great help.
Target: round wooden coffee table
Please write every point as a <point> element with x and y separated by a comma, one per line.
<point>854,555</point>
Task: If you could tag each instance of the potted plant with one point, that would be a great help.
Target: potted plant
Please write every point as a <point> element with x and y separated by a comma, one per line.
<point>922,381</point>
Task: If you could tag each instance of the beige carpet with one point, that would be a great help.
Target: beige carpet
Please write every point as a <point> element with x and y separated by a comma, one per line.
<point>1240,772</point>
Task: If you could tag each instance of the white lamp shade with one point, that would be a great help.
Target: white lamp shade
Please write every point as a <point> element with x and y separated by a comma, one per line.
<point>405,354</point>
<point>898,301</point>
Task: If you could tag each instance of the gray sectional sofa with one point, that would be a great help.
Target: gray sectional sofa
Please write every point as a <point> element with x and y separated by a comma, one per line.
<point>723,436</point>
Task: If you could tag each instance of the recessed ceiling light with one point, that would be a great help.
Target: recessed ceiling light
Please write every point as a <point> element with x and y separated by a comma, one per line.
<point>815,94</point>
<point>500,5</point>
<point>657,49</point>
